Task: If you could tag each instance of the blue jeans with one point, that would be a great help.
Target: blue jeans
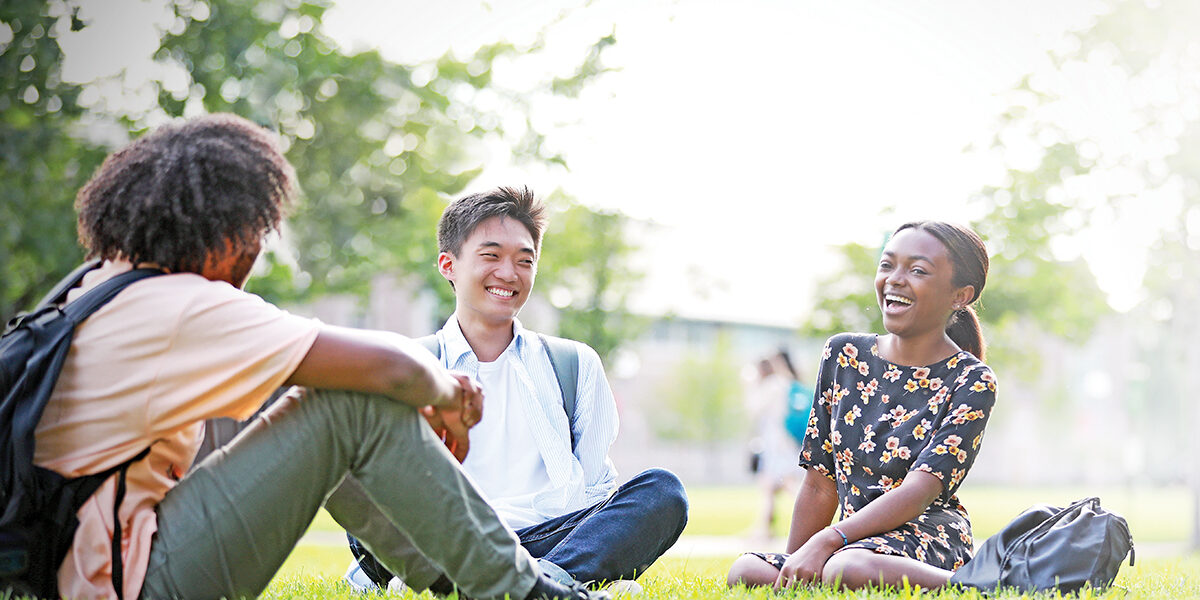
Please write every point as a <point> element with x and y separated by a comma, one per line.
<point>618,538</point>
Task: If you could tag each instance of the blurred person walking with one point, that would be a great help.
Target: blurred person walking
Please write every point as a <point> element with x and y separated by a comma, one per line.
<point>774,449</point>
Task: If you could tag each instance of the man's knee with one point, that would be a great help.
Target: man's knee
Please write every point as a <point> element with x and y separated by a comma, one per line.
<point>360,411</point>
<point>669,497</point>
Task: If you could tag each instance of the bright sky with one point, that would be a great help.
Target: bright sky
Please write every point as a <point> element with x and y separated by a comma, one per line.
<point>754,138</point>
<point>758,138</point>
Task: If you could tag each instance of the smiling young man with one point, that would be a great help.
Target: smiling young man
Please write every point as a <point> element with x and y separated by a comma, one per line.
<point>542,464</point>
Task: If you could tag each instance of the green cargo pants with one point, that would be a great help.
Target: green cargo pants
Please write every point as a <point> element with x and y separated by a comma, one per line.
<point>378,468</point>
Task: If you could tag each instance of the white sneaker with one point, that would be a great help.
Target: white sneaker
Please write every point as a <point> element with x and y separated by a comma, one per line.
<point>624,587</point>
<point>395,586</point>
<point>357,580</point>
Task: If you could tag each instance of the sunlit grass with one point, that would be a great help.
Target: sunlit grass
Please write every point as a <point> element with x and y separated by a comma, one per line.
<point>1156,517</point>
<point>705,580</point>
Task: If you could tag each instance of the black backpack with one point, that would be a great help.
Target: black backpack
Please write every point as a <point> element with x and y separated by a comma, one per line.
<point>1051,548</point>
<point>38,520</point>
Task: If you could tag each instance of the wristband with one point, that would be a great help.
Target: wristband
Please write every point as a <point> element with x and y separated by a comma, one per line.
<point>845,540</point>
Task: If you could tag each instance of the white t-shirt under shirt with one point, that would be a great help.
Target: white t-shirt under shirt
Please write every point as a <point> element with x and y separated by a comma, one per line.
<point>504,460</point>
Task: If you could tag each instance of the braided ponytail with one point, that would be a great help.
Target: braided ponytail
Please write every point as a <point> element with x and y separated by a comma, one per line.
<point>963,327</point>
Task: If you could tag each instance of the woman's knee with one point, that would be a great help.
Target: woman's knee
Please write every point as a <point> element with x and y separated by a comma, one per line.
<point>750,570</point>
<point>852,569</point>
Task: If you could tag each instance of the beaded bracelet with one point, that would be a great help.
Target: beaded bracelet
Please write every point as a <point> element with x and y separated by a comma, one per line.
<point>845,540</point>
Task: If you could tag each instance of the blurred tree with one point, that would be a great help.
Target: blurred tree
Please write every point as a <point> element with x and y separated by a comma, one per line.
<point>847,300</point>
<point>1029,288</point>
<point>588,275</point>
<point>377,146</point>
<point>1156,48</point>
<point>703,397</point>
<point>1143,56</point>
<point>42,159</point>
<point>1026,286</point>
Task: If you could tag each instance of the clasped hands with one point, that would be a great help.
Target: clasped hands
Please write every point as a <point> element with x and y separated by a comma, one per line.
<point>452,420</point>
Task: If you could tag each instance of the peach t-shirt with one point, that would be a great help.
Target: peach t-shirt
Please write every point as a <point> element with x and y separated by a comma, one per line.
<point>146,370</point>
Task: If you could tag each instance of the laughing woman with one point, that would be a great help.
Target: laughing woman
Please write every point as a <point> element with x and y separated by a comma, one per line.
<point>897,421</point>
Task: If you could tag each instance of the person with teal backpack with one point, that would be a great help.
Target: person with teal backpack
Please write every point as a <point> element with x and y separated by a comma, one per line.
<point>799,402</point>
<point>769,403</point>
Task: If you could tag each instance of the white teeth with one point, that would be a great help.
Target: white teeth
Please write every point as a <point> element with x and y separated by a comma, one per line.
<point>895,298</point>
<point>501,292</point>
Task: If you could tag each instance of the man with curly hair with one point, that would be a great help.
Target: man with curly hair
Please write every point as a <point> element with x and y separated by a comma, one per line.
<point>196,199</point>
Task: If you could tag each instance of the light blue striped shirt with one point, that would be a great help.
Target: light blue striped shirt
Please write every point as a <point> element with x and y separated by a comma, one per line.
<point>578,479</point>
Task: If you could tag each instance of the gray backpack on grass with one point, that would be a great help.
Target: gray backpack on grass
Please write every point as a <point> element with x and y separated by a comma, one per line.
<point>1050,548</point>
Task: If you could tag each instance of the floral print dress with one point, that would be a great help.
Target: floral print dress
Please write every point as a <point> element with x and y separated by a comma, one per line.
<point>873,422</point>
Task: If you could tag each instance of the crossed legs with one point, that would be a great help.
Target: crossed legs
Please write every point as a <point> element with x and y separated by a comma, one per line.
<point>225,529</point>
<point>853,568</point>
<point>618,538</point>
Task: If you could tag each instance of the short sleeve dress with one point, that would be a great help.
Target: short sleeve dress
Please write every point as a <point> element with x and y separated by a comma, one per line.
<point>873,422</point>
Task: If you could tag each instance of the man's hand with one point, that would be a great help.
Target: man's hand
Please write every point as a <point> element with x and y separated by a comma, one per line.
<point>804,566</point>
<point>452,420</point>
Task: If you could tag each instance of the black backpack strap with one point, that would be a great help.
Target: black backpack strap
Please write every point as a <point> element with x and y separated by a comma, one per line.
<point>564,360</point>
<point>58,295</point>
<point>430,342</point>
<point>118,565</point>
<point>76,312</point>
<point>91,301</point>
<point>82,488</point>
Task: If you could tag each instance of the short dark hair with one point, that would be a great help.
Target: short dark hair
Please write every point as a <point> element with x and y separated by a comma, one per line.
<point>970,261</point>
<point>461,218</point>
<point>186,191</point>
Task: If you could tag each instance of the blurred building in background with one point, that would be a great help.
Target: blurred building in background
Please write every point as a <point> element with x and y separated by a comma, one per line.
<point>678,388</point>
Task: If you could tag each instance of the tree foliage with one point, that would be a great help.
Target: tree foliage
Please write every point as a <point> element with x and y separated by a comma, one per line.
<point>42,159</point>
<point>588,275</point>
<point>378,147</point>
<point>847,295</point>
<point>1154,46</point>
<point>703,396</point>
<point>1028,285</point>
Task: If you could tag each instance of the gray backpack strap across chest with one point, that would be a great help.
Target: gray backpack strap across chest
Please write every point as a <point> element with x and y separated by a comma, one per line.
<point>564,359</point>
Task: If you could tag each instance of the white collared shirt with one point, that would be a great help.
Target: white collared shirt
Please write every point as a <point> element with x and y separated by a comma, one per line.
<point>578,479</point>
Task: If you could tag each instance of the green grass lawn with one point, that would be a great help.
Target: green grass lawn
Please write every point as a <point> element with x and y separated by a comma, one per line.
<point>1158,519</point>
<point>1154,515</point>
<point>704,579</point>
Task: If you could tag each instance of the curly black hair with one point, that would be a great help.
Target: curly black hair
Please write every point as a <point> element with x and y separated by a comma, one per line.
<point>186,192</point>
